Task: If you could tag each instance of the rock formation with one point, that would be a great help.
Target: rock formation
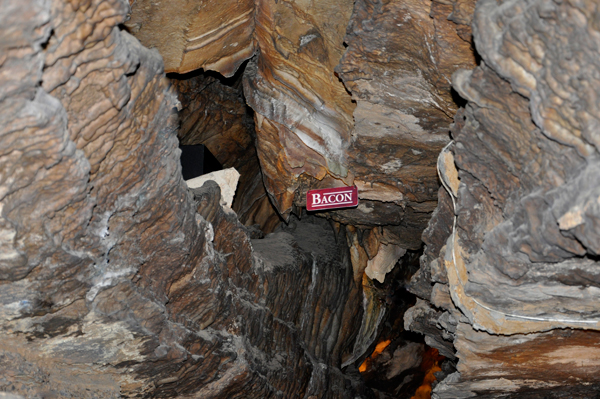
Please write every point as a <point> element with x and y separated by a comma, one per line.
<point>213,112</point>
<point>311,134</point>
<point>343,93</point>
<point>116,280</point>
<point>303,119</point>
<point>515,288</point>
<point>190,35</point>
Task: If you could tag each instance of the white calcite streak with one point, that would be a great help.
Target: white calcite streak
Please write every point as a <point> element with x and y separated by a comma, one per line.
<point>227,179</point>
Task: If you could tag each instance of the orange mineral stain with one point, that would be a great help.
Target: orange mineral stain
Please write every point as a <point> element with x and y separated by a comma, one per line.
<point>431,365</point>
<point>380,347</point>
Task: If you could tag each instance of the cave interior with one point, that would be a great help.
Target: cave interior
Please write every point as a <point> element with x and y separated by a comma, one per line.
<point>156,160</point>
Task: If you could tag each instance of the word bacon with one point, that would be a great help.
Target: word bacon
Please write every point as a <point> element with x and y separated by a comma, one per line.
<point>331,198</point>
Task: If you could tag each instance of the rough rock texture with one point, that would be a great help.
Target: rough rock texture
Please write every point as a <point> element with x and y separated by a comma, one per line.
<point>213,112</point>
<point>398,65</point>
<point>227,179</point>
<point>358,93</point>
<point>397,68</point>
<point>213,35</point>
<point>303,112</point>
<point>516,283</point>
<point>115,279</point>
<point>344,93</point>
<point>395,59</point>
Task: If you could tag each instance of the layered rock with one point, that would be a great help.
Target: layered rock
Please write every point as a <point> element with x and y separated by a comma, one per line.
<point>400,81</point>
<point>117,280</point>
<point>190,35</point>
<point>514,272</point>
<point>303,113</point>
<point>384,137</point>
<point>111,269</point>
<point>310,134</point>
<point>345,93</point>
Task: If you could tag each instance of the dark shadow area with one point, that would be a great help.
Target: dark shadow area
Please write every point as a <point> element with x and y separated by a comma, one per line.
<point>214,116</point>
<point>399,363</point>
<point>461,102</point>
<point>478,58</point>
<point>197,160</point>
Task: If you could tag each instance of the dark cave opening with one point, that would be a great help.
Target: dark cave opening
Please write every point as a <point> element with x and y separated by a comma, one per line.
<point>196,160</point>
<point>214,113</point>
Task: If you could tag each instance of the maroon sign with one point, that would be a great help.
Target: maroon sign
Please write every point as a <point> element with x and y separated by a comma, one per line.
<point>331,198</point>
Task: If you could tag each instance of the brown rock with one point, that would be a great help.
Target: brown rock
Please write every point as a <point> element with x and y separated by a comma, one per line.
<point>193,34</point>
<point>304,114</point>
<point>214,113</point>
<point>110,268</point>
<point>400,80</point>
<point>305,137</point>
